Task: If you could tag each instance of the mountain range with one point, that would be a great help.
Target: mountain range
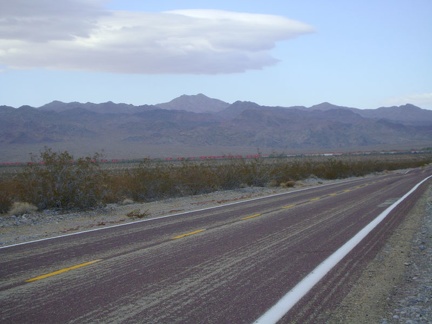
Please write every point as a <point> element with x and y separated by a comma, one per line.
<point>193,125</point>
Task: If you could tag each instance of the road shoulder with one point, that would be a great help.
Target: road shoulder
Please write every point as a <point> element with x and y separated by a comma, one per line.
<point>396,285</point>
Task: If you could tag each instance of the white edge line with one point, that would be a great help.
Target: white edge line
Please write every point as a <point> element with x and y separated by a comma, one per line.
<point>278,310</point>
<point>179,214</point>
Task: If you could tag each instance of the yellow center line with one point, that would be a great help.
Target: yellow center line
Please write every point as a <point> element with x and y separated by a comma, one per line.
<point>315,199</point>
<point>55,273</point>
<point>289,206</point>
<point>333,194</point>
<point>347,190</point>
<point>188,234</point>
<point>251,216</point>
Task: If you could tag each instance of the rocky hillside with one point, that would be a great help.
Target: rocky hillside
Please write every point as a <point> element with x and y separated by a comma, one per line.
<point>199,122</point>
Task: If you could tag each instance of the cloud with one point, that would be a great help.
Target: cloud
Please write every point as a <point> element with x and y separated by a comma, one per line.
<point>46,20</point>
<point>422,100</point>
<point>82,35</point>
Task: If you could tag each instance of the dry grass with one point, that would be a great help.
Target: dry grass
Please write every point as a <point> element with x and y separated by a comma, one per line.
<point>21,208</point>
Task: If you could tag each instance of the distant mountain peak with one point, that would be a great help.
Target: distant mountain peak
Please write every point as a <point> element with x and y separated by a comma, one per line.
<point>326,106</point>
<point>54,102</point>
<point>198,103</point>
<point>108,107</point>
<point>410,107</point>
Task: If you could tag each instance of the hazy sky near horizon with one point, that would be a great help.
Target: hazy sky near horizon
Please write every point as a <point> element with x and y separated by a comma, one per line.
<point>362,54</point>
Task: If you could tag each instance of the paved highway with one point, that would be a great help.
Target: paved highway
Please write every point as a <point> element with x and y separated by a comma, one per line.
<point>222,265</point>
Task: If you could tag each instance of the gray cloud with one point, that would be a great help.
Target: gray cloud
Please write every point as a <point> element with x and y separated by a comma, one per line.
<point>81,35</point>
<point>45,20</point>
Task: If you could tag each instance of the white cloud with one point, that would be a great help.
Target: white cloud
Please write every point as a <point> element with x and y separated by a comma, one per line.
<point>81,35</point>
<point>422,100</point>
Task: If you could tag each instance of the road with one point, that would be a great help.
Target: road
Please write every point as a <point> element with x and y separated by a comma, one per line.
<point>222,265</point>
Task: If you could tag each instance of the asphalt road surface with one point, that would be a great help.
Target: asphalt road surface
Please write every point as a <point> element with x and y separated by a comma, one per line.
<point>228,264</point>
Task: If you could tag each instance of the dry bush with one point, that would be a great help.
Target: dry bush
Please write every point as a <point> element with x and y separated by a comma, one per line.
<point>136,213</point>
<point>127,201</point>
<point>55,180</point>
<point>21,208</point>
<point>149,181</point>
<point>273,183</point>
<point>117,187</point>
<point>6,195</point>
<point>228,175</point>
<point>192,179</point>
<point>288,184</point>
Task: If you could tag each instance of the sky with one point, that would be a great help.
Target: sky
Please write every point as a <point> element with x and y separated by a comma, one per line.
<point>364,54</point>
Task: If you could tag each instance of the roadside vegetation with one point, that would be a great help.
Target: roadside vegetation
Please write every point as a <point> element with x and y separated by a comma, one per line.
<point>55,180</point>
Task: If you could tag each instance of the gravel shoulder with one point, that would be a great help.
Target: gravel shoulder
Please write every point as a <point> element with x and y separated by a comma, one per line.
<point>15,229</point>
<point>395,288</point>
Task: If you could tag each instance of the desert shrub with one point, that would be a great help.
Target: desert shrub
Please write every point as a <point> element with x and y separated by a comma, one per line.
<point>126,201</point>
<point>153,180</point>
<point>6,195</point>
<point>55,180</point>
<point>281,172</point>
<point>21,208</point>
<point>148,181</point>
<point>195,178</point>
<point>332,169</point>
<point>229,175</point>
<point>254,172</point>
<point>137,213</point>
<point>288,184</point>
